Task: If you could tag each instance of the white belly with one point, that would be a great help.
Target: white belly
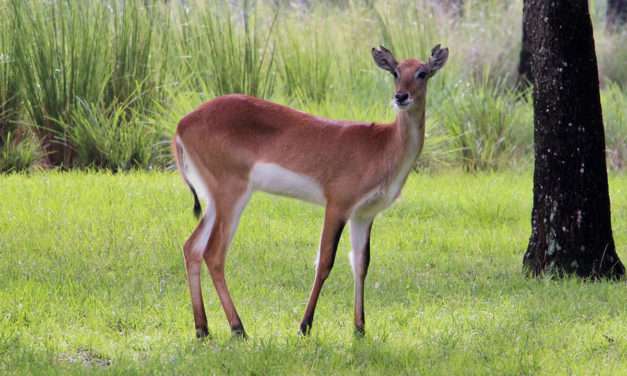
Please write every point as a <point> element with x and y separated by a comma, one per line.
<point>272,178</point>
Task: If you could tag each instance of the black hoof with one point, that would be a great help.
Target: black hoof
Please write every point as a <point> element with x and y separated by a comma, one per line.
<point>305,329</point>
<point>359,332</point>
<point>239,332</point>
<point>202,332</point>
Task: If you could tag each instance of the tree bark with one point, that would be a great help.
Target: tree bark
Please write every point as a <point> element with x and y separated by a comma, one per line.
<point>571,221</point>
<point>616,13</point>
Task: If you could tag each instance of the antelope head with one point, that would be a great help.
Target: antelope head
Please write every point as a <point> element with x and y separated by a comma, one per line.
<point>411,75</point>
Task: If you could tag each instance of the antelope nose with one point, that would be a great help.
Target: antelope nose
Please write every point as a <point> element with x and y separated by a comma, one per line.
<point>401,97</point>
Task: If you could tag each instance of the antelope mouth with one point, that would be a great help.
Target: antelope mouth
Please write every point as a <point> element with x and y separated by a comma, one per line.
<point>403,105</point>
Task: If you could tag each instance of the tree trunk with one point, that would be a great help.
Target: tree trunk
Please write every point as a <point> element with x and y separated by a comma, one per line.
<point>616,13</point>
<point>524,63</point>
<point>571,223</point>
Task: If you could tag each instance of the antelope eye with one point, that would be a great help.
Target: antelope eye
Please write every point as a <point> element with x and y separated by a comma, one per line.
<point>421,74</point>
<point>395,74</point>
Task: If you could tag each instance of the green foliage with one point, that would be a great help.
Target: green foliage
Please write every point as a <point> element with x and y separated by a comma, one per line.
<point>93,281</point>
<point>306,63</point>
<point>67,56</point>
<point>611,55</point>
<point>60,59</point>
<point>225,54</point>
<point>614,102</point>
<point>159,60</point>
<point>18,153</point>
<point>138,58</point>
<point>114,137</point>
<point>411,30</point>
<point>487,121</point>
<point>18,150</point>
<point>9,97</point>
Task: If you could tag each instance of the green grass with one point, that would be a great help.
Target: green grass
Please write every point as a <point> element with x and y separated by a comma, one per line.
<point>92,279</point>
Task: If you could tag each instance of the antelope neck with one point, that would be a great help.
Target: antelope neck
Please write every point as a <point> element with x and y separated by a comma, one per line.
<point>410,129</point>
<point>404,147</point>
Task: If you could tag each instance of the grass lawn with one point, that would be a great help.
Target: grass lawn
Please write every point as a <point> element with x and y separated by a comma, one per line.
<point>92,279</point>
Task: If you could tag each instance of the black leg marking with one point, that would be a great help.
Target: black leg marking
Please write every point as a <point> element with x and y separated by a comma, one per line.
<point>328,250</point>
<point>360,332</point>
<point>238,331</point>
<point>305,328</point>
<point>202,332</point>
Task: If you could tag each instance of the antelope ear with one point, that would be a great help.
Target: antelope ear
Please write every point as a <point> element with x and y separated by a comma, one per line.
<point>384,59</point>
<point>437,60</point>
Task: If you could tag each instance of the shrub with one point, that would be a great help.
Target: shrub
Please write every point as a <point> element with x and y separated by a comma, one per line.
<point>60,60</point>
<point>614,103</point>
<point>114,137</point>
<point>612,55</point>
<point>487,122</point>
<point>19,153</point>
<point>71,51</point>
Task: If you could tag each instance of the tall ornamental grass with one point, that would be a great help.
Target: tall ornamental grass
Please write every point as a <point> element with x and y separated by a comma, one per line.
<point>114,138</point>
<point>139,46</point>
<point>411,30</point>
<point>226,52</point>
<point>19,149</point>
<point>487,122</point>
<point>306,63</point>
<point>9,98</point>
<point>92,75</point>
<point>76,52</point>
<point>62,58</point>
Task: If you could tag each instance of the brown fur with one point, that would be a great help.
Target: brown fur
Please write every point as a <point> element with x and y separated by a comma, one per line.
<point>347,159</point>
<point>226,136</point>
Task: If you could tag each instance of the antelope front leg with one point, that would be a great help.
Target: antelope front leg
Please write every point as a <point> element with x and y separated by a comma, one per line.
<point>331,232</point>
<point>360,259</point>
